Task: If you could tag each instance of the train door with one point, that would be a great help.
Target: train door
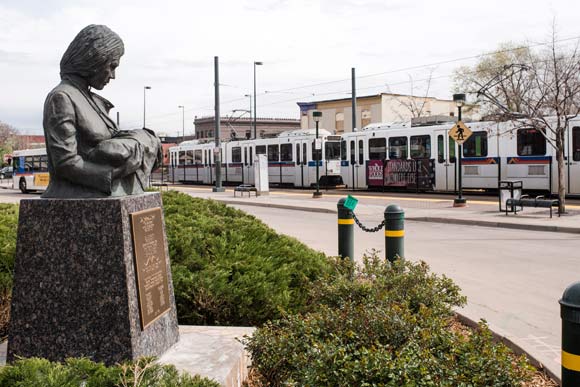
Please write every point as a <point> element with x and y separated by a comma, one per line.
<point>305,164</point>
<point>355,172</point>
<point>574,160</point>
<point>247,164</point>
<point>445,164</point>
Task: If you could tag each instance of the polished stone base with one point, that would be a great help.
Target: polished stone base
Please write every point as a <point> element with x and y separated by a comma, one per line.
<point>75,289</point>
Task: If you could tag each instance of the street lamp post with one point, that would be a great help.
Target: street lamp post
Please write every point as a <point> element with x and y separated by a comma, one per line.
<point>317,115</point>
<point>459,201</point>
<point>182,122</point>
<point>145,88</point>
<point>255,64</point>
<point>250,112</point>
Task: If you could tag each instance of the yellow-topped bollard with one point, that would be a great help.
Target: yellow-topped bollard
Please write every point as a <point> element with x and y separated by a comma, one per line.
<point>394,232</point>
<point>345,230</point>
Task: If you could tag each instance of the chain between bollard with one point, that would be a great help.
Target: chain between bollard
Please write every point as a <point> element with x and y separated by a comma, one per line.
<point>373,229</point>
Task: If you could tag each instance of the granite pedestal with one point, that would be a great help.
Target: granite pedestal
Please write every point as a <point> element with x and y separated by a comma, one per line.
<point>75,288</point>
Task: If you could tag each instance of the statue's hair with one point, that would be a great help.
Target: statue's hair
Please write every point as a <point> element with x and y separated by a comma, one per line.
<point>90,50</point>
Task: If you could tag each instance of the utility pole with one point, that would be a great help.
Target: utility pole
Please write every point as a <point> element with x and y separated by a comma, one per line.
<point>352,75</point>
<point>217,150</point>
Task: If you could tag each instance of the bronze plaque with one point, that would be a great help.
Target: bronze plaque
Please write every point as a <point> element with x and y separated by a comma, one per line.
<point>150,264</point>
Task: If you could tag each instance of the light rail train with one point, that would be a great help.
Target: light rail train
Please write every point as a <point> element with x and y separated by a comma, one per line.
<point>392,156</point>
<point>292,159</point>
<point>424,158</point>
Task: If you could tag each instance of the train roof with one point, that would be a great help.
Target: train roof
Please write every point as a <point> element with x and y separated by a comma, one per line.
<point>303,132</point>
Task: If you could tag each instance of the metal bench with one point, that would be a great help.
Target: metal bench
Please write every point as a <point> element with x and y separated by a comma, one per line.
<point>512,205</point>
<point>245,188</point>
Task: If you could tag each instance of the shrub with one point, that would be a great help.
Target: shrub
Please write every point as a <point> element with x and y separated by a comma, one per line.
<point>229,268</point>
<point>8,227</point>
<point>82,372</point>
<point>390,325</point>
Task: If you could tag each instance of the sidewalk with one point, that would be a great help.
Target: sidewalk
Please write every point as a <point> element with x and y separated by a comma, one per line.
<point>542,350</point>
<point>439,210</point>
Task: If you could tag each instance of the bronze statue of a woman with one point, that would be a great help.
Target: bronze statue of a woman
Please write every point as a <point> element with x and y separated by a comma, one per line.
<point>88,156</point>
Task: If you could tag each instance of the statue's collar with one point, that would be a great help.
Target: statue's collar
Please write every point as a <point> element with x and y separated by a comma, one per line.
<point>81,84</point>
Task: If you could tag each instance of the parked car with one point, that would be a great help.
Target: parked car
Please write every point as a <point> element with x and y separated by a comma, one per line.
<point>6,172</point>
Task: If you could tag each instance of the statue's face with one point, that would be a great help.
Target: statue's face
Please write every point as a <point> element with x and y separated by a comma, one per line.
<point>104,74</point>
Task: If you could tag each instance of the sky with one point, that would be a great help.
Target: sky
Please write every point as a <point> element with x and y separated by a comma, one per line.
<point>307,47</point>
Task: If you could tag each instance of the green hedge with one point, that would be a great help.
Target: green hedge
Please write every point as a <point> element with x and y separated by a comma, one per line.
<point>229,268</point>
<point>83,372</point>
<point>390,326</point>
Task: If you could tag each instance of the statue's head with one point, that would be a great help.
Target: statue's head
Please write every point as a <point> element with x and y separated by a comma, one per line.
<point>94,54</point>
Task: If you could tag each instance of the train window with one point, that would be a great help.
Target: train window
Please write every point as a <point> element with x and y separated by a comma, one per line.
<point>343,150</point>
<point>332,150</point>
<point>245,156</point>
<point>316,152</point>
<point>197,156</point>
<point>451,150</point>
<point>531,142</point>
<point>251,157</point>
<point>261,149</point>
<point>420,147</point>
<point>189,157</point>
<point>377,148</point>
<point>273,153</point>
<point>361,155</point>
<point>298,154</point>
<point>440,149</point>
<point>352,159</point>
<point>181,157</point>
<point>398,148</point>
<point>304,155</point>
<point>476,145</point>
<point>236,154</point>
<point>576,143</point>
<point>286,152</point>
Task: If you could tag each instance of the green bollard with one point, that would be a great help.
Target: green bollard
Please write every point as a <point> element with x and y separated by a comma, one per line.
<point>394,232</point>
<point>345,231</point>
<point>570,314</point>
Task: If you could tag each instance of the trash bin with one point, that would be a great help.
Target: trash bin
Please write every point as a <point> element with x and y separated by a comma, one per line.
<point>509,189</point>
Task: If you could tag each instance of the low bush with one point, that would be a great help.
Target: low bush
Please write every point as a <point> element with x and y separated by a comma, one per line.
<point>82,372</point>
<point>229,268</point>
<point>381,325</point>
<point>8,228</point>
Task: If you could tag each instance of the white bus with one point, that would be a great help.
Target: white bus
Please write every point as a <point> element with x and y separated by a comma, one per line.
<point>30,170</point>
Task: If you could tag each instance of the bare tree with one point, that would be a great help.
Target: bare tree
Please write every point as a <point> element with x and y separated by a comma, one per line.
<point>415,104</point>
<point>8,138</point>
<point>543,93</point>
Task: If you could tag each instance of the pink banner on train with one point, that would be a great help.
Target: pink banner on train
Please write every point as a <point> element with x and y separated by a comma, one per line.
<point>401,173</point>
<point>375,173</point>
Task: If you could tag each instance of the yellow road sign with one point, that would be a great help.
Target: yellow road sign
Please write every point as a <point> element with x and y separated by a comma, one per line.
<point>460,132</point>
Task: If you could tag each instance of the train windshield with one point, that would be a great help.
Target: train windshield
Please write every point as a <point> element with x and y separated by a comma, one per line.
<point>332,150</point>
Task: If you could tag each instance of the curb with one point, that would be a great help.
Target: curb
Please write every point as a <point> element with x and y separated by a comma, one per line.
<point>428,219</point>
<point>487,223</point>
<point>516,349</point>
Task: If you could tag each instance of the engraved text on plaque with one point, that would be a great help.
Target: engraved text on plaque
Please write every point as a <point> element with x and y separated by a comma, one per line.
<point>150,264</point>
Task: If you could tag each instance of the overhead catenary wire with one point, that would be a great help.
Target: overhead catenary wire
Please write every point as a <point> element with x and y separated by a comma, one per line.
<point>366,76</point>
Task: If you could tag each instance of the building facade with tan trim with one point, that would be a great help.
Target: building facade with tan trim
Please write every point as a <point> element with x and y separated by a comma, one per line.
<point>379,108</point>
<point>242,127</point>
